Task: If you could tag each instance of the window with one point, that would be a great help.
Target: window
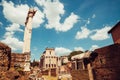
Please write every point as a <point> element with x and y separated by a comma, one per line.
<point>49,65</point>
<point>50,52</point>
<point>54,65</point>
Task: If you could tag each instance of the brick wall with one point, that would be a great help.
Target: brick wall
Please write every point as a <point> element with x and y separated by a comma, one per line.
<point>18,59</point>
<point>5,57</point>
<point>106,65</point>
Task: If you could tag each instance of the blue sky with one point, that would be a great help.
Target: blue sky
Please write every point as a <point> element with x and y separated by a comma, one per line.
<point>65,25</point>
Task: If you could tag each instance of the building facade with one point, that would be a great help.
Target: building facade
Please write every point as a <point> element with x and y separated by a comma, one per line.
<point>48,59</point>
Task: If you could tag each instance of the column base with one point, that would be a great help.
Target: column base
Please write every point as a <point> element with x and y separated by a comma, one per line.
<point>27,67</point>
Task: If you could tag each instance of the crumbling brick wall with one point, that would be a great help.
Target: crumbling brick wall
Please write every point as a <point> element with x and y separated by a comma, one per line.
<point>5,57</point>
<point>106,65</point>
<point>18,59</point>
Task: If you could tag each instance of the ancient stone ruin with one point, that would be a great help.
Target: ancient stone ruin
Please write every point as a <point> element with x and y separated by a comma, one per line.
<point>5,57</point>
<point>106,65</point>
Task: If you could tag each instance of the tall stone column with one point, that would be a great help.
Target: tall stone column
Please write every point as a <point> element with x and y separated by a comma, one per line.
<point>27,38</point>
<point>90,72</point>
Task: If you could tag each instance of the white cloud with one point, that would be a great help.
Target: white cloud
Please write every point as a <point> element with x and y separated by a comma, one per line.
<point>93,16</point>
<point>79,49</point>
<point>14,43</point>
<point>95,34</point>
<point>93,47</point>
<point>54,11</point>
<point>40,2</point>
<point>14,27</point>
<point>60,51</point>
<point>84,33</point>
<point>38,18</point>
<point>68,23</point>
<point>101,34</point>
<point>9,38</point>
<point>8,34</point>
<point>18,13</point>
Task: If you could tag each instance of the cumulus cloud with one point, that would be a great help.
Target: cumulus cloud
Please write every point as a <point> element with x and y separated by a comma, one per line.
<point>84,33</point>
<point>101,34</point>
<point>93,47</point>
<point>95,34</point>
<point>14,43</point>
<point>14,27</point>
<point>79,49</point>
<point>38,19</point>
<point>60,51</point>
<point>8,34</point>
<point>9,38</point>
<point>18,13</point>
<point>54,11</point>
<point>68,23</point>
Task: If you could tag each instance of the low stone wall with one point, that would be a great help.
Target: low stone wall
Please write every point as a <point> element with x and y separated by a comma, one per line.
<point>79,75</point>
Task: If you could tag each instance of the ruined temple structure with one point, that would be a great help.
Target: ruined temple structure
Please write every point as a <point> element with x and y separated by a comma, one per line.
<point>80,61</point>
<point>106,63</point>
<point>23,59</point>
<point>5,57</point>
<point>79,66</point>
<point>18,59</point>
<point>102,63</point>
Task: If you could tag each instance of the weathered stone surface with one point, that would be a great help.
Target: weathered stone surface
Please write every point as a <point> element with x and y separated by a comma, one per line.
<point>14,75</point>
<point>18,59</point>
<point>106,65</point>
<point>5,57</point>
<point>79,75</point>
